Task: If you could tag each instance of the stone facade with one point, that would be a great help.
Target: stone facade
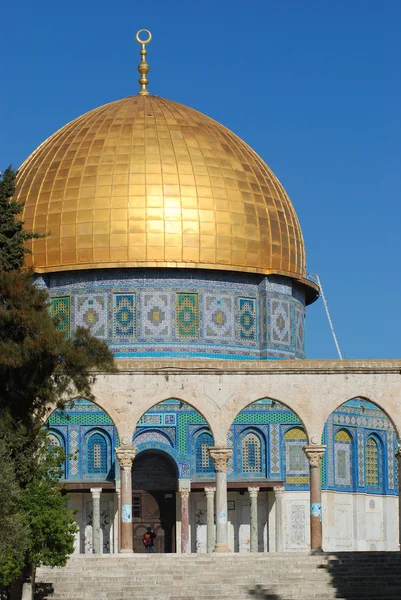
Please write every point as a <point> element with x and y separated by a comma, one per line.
<point>263,414</point>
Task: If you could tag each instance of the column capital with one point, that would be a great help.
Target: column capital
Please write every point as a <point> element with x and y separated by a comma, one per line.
<point>220,456</point>
<point>210,492</point>
<point>253,491</point>
<point>96,492</point>
<point>126,455</point>
<point>278,490</point>
<point>314,454</point>
<point>184,492</point>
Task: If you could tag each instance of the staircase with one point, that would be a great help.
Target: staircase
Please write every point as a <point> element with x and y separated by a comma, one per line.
<point>284,576</point>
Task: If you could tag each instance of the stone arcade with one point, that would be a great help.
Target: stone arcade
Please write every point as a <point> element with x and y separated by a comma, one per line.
<point>171,239</point>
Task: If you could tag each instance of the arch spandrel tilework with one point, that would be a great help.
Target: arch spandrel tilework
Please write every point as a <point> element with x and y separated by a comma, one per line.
<point>348,430</point>
<point>78,422</point>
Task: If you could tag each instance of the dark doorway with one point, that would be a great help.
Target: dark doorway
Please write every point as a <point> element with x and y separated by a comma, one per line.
<point>154,480</point>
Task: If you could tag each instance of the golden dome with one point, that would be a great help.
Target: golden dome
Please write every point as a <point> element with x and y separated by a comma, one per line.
<point>147,182</point>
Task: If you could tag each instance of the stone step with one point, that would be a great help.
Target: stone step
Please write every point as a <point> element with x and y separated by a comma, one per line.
<point>285,576</point>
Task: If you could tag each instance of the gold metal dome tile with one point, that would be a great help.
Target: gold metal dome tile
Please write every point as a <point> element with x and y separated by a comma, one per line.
<point>145,181</point>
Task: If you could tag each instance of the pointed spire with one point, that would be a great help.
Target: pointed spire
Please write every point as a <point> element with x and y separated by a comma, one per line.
<point>143,66</point>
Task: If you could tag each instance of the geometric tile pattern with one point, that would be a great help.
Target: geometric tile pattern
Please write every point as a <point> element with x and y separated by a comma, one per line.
<point>296,463</point>
<point>187,315</point>
<point>281,322</point>
<point>123,317</point>
<point>372,463</point>
<point>219,317</point>
<point>299,331</point>
<point>343,463</point>
<point>361,460</point>
<point>156,315</point>
<point>73,451</point>
<point>151,436</point>
<point>390,459</point>
<point>203,462</point>
<point>246,318</point>
<point>251,454</point>
<point>60,308</point>
<point>91,312</point>
<point>230,444</point>
<point>274,449</point>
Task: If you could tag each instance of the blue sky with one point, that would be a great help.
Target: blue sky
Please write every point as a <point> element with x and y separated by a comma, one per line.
<point>314,86</point>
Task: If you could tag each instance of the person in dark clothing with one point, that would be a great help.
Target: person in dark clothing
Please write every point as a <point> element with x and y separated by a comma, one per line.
<point>147,539</point>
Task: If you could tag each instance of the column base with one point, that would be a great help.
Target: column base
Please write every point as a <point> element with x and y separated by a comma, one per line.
<point>316,551</point>
<point>126,551</point>
<point>221,548</point>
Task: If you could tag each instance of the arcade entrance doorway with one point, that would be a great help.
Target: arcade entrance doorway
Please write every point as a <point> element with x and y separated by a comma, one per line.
<point>154,482</point>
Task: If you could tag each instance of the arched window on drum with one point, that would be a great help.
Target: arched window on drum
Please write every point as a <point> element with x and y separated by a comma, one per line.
<point>252,450</point>
<point>343,458</point>
<point>296,463</point>
<point>373,471</point>
<point>203,462</point>
<point>98,455</point>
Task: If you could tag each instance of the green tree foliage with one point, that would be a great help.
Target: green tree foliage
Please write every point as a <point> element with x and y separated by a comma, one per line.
<point>40,369</point>
<point>12,234</point>
<point>13,533</point>
<point>50,524</point>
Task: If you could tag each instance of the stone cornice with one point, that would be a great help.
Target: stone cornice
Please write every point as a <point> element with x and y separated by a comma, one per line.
<point>315,367</point>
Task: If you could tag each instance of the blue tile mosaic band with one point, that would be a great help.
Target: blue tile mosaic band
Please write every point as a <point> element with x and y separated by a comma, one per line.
<point>164,313</point>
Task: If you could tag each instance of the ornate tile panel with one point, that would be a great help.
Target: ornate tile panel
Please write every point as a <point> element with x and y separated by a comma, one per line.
<point>280,329</point>
<point>218,317</point>
<point>124,317</point>
<point>299,331</point>
<point>156,315</point>
<point>275,467</point>
<point>342,461</point>
<point>361,460</point>
<point>390,459</point>
<point>91,312</point>
<point>187,315</point>
<point>246,319</point>
<point>60,308</point>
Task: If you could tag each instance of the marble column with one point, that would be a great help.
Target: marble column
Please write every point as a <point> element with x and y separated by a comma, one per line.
<point>210,492</point>
<point>116,523</point>
<point>220,456</point>
<point>253,493</point>
<point>278,502</point>
<point>398,457</point>
<point>125,457</point>
<point>314,455</point>
<point>184,495</point>
<point>96,519</point>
